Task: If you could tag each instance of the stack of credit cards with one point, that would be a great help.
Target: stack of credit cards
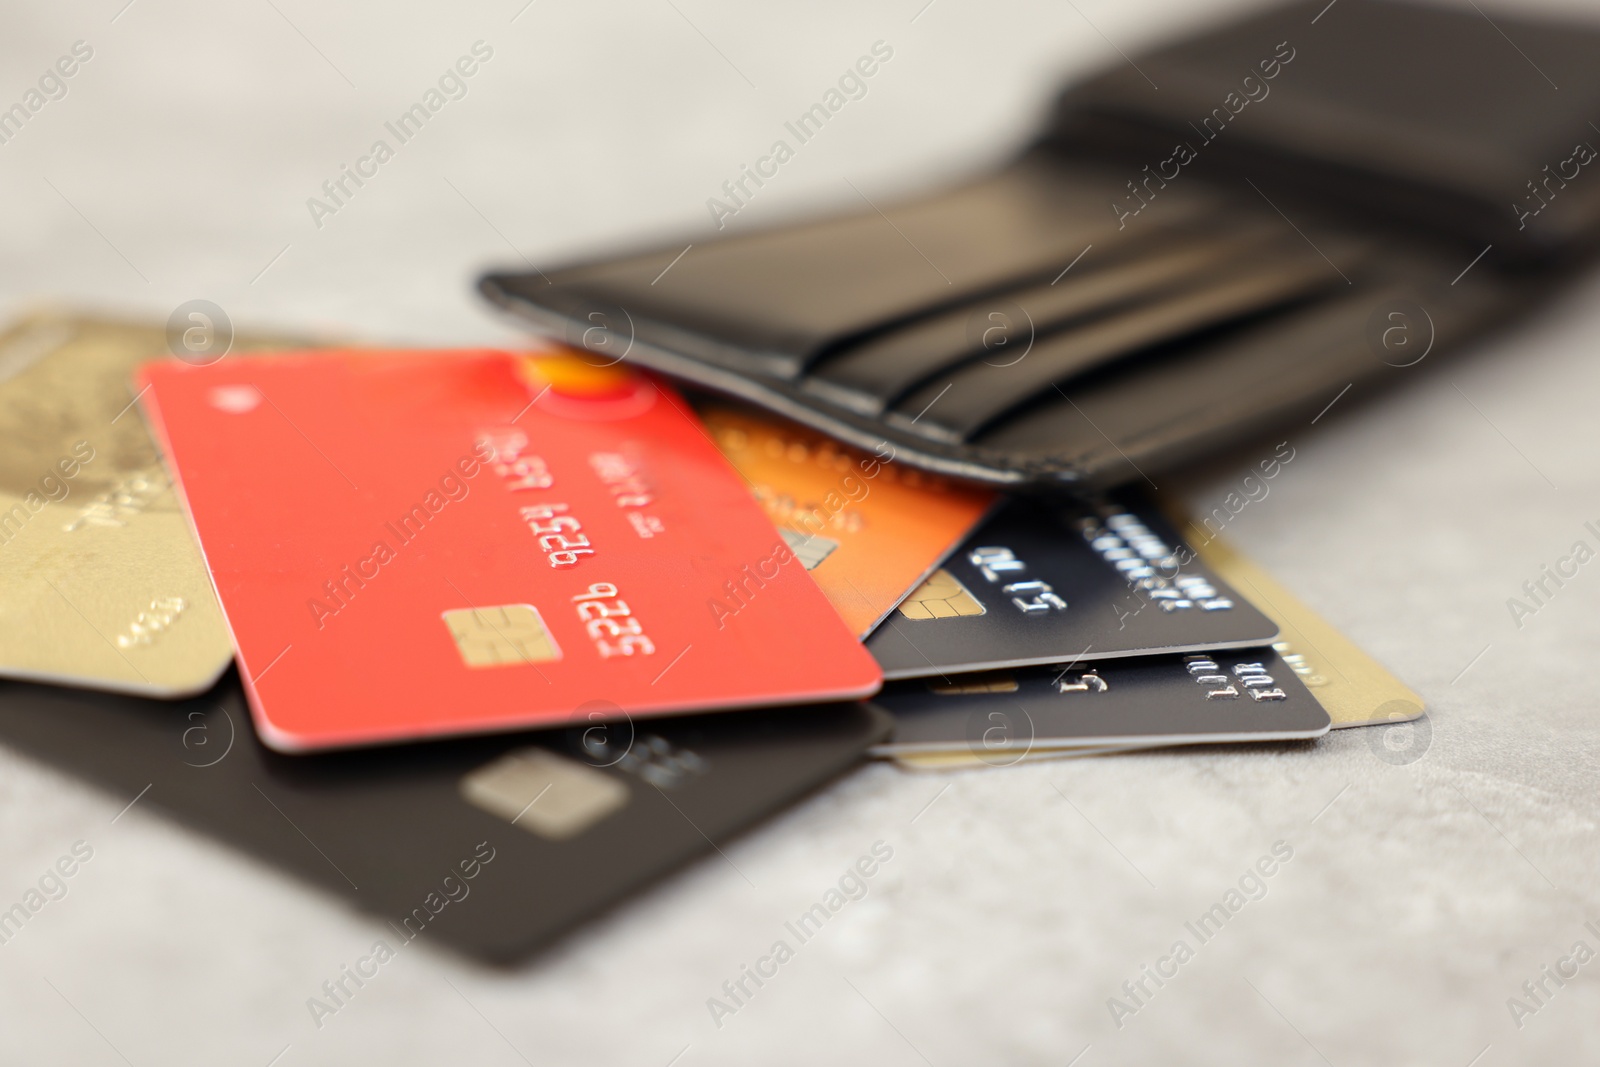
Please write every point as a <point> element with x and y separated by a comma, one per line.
<point>535,629</point>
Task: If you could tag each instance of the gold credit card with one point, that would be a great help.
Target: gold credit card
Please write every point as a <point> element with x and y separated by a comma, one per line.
<point>1353,688</point>
<point>955,761</point>
<point>101,583</point>
<point>1350,685</point>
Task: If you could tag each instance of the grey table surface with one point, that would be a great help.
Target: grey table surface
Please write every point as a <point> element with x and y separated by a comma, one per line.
<point>1420,896</point>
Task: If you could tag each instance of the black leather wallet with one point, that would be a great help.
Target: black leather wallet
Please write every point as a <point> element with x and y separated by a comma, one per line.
<point>1213,239</point>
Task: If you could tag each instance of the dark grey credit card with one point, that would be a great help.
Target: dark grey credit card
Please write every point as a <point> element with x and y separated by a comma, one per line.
<point>1165,700</point>
<point>493,845</point>
<point>1041,583</point>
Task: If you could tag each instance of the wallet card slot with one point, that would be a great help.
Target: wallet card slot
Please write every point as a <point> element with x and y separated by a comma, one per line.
<point>872,376</point>
<point>1125,422</point>
<point>1133,420</point>
<point>954,407</point>
<point>772,302</point>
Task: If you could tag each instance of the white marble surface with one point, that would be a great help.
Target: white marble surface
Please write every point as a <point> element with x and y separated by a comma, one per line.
<point>178,166</point>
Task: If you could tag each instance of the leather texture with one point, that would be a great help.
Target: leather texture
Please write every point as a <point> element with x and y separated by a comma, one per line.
<point>1163,272</point>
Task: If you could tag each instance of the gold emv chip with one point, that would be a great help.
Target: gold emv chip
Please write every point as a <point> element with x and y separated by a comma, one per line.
<point>502,636</point>
<point>942,596</point>
<point>543,793</point>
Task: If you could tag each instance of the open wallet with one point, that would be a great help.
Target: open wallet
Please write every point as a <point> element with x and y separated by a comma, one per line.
<point>1211,240</point>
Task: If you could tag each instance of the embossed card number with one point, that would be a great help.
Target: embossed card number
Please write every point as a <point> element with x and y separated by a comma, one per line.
<point>604,621</point>
<point>994,562</point>
<point>559,534</point>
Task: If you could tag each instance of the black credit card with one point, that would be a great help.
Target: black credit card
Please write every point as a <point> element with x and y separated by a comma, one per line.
<point>1163,700</point>
<point>493,845</point>
<point>1043,583</point>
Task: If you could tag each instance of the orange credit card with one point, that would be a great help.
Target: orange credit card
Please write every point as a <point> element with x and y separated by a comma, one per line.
<point>868,529</point>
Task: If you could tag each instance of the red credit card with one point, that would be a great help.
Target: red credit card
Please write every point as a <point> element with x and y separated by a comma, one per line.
<point>414,544</point>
